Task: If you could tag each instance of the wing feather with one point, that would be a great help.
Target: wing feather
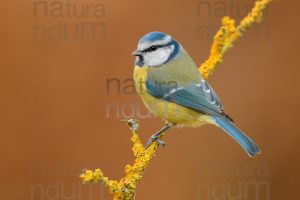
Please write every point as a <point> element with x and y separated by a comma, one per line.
<point>199,96</point>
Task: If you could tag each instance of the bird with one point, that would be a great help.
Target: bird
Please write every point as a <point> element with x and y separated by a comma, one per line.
<point>171,86</point>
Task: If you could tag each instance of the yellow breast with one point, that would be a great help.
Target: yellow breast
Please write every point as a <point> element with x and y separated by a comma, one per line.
<point>168,111</point>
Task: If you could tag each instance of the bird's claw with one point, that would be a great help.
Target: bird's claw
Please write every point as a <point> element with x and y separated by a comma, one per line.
<point>152,139</point>
<point>155,137</point>
<point>161,143</point>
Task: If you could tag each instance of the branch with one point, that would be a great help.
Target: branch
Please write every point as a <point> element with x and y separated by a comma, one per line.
<point>224,39</point>
<point>228,34</point>
<point>125,188</point>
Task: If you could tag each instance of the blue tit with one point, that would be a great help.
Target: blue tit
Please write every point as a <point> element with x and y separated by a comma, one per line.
<point>171,86</point>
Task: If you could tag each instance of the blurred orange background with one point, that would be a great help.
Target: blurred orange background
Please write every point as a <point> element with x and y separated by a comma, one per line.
<point>59,114</point>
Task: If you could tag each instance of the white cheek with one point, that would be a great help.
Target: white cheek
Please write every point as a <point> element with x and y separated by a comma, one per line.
<point>158,57</point>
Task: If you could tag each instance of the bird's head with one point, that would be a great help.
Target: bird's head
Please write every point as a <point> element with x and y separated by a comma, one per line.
<point>155,49</point>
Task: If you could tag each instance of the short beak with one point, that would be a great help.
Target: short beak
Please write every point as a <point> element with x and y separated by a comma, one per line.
<point>137,53</point>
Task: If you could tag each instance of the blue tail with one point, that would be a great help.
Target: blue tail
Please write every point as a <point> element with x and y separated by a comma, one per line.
<point>246,143</point>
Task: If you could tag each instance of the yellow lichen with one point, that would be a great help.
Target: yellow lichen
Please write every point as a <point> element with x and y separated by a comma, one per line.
<point>228,33</point>
<point>125,188</point>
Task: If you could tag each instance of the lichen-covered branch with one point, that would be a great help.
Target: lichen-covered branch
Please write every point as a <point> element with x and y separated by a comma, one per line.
<point>224,39</point>
<point>228,34</point>
<point>125,188</point>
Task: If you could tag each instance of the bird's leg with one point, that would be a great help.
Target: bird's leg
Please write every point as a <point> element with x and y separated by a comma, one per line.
<point>155,136</point>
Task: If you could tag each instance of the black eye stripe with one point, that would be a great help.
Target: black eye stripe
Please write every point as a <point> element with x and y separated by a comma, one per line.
<point>154,47</point>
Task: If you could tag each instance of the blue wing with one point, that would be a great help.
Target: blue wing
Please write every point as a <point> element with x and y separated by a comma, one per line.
<point>202,98</point>
<point>198,96</point>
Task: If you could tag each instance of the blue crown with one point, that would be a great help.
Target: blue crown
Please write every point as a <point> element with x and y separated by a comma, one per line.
<point>153,36</point>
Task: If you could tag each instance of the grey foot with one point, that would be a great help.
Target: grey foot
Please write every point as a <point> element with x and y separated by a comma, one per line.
<point>155,137</point>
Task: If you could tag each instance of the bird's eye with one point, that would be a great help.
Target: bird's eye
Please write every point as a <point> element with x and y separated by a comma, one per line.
<point>153,48</point>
